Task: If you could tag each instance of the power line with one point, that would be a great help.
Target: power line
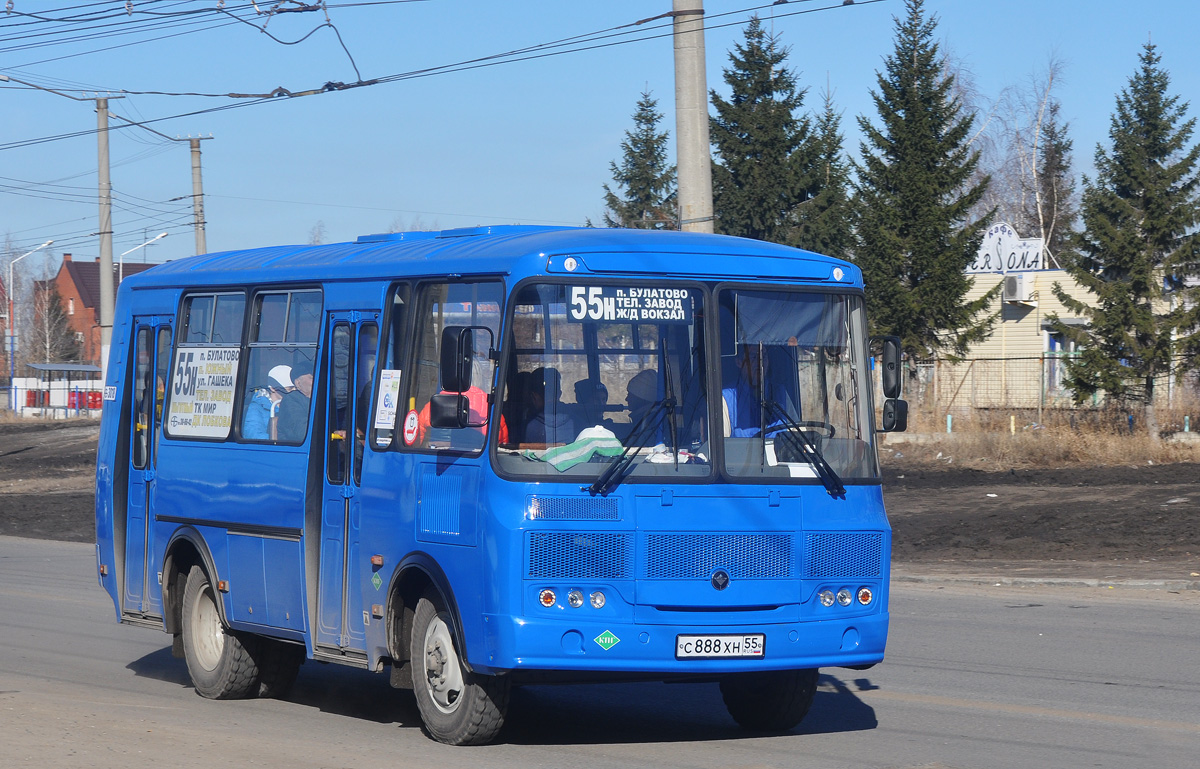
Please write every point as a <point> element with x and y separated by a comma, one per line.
<point>534,52</point>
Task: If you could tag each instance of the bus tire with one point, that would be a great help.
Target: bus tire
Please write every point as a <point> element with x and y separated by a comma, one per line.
<point>769,702</point>
<point>458,707</point>
<point>278,665</point>
<point>220,662</point>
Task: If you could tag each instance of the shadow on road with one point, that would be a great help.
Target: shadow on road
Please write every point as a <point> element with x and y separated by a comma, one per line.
<point>160,665</point>
<point>584,714</point>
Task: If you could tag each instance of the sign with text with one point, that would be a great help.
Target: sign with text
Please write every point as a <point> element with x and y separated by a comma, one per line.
<point>389,394</point>
<point>202,384</point>
<point>1003,250</point>
<point>633,304</point>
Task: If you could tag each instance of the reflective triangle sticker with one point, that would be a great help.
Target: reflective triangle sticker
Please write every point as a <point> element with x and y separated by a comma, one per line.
<point>607,640</point>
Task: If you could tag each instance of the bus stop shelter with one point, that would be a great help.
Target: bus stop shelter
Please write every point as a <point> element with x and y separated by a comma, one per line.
<point>60,390</point>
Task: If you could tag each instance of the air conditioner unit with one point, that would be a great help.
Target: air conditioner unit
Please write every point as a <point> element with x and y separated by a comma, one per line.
<point>1018,287</point>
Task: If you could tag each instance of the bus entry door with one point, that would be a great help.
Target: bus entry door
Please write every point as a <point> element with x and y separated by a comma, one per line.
<point>350,368</point>
<point>146,390</point>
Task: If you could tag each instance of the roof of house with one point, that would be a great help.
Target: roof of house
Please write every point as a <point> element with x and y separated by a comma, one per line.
<point>86,277</point>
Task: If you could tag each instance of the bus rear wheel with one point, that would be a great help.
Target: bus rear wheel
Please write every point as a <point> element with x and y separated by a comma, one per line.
<point>457,706</point>
<point>221,663</point>
<point>769,702</point>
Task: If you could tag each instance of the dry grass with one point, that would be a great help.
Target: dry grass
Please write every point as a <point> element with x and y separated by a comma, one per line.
<point>988,441</point>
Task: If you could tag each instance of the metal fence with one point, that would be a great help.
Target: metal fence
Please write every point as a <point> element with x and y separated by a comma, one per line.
<point>961,387</point>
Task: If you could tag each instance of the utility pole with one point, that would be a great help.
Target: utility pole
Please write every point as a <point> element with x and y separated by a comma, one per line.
<point>107,294</point>
<point>693,154</point>
<point>198,195</point>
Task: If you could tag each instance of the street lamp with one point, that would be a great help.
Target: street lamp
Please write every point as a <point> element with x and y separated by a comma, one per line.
<point>12,337</point>
<point>121,262</point>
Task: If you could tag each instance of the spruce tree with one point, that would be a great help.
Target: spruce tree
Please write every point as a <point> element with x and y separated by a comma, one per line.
<point>647,183</point>
<point>1054,202</point>
<point>913,197</point>
<point>1139,253</point>
<point>822,223</point>
<point>764,153</point>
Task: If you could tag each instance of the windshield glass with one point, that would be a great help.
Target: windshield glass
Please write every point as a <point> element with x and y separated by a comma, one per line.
<point>595,372</point>
<point>794,362</point>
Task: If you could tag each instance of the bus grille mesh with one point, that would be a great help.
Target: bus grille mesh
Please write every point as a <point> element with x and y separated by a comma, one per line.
<point>572,509</point>
<point>579,555</point>
<point>697,556</point>
<point>831,555</point>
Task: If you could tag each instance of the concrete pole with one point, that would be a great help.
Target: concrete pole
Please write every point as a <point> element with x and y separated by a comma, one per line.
<point>693,155</point>
<point>198,198</point>
<point>106,255</point>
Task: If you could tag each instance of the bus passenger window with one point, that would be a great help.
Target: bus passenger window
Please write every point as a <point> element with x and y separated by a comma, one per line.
<point>442,305</point>
<point>202,379</point>
<point>280,364</point>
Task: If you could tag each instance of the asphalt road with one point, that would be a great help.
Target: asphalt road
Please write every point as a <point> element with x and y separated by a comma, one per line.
<point>975,677</point>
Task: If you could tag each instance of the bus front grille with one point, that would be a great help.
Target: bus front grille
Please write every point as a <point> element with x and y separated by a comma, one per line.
<point>579,555</point>
<point>839,555</point>
<point>697,556</point>
<point>572,509</point>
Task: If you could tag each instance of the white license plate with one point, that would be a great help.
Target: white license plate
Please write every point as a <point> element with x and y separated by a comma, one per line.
<point>744,646</point>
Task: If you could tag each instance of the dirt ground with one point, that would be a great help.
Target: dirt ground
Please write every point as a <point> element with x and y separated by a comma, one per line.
<point>1136,519</point>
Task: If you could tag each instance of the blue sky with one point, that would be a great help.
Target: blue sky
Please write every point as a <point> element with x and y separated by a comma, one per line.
<point>526,142</point>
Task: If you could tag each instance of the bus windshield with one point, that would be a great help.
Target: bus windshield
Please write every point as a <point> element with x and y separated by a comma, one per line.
<point>794,362</point>
<point>596,372</point>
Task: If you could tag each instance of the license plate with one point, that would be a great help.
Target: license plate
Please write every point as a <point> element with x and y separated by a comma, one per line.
<point>744,646</point>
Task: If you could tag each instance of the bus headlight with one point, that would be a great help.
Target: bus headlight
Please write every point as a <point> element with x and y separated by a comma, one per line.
<point>547,598</point>
<point>597,599</point>
<point>865,595</point>
<point>826,597</point>
<point>844,597</point>
<point>575,599</point>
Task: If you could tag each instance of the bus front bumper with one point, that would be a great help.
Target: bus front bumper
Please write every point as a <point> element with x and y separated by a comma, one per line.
<point>521,643</point>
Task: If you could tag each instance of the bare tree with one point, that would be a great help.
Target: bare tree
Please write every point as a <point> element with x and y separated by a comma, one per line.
<point>316,236</point>
<point>50,337</point>
<point>415,224</point>
<point>1033,188</point>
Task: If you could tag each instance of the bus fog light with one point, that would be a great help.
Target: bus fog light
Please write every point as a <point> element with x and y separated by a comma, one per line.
<point>547,598</point>
<point>575,599</point>
<point>826,597</point>
<point>864,595</point>
<point>844,597</point>
<point>597,599</point>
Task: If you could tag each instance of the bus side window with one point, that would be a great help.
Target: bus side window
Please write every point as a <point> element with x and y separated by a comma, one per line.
<point>280,365</point>
<point>392,352</point>
<point>441,305</point>
<point>209,333</point>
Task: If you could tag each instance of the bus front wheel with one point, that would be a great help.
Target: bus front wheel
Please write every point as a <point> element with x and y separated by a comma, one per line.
<point>457,706</point>
<point>221,663</point>
<point>769,702</point>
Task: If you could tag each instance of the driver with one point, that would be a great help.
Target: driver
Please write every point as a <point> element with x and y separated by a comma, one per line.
<point>740,398</point>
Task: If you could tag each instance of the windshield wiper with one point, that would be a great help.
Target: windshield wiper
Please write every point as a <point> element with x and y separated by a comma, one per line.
<point>806,447</point>
<point>639,437</point>
<point>669,401</point>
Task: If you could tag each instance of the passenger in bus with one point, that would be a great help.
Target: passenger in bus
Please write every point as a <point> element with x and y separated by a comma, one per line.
<point>292,415</point>
<point>640,395</point>
<point>591,397</point>
<point>548,418</point>
<point>260,420</point>
<point>477,406</point>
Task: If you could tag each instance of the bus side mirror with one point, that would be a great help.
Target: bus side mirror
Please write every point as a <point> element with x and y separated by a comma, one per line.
<point>457,353</point>
<point>451,410</point>
<point>895,415</point>
<point>891,367</point>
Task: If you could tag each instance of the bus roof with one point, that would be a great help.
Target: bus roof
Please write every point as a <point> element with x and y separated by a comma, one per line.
<point>510,249</point>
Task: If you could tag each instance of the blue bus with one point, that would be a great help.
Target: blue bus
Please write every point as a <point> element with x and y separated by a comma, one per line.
<point>498,456</point>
